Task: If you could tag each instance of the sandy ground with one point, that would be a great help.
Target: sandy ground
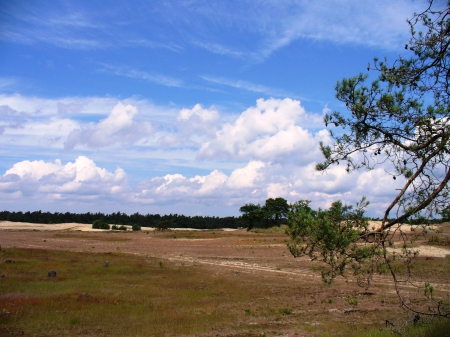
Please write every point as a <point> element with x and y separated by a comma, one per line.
<point>47,227</point>
<point>72,226</point>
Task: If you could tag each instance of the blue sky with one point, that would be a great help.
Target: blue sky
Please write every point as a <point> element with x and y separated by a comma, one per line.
<point>189,107</point>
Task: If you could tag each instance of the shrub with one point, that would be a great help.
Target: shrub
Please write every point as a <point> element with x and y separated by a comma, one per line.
<point>99,224</point>
<point>163,225</point>
<point>136,227</point>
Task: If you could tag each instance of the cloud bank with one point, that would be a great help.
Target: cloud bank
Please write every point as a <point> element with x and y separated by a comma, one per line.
<point>118,127</point>
<point>268,150</point>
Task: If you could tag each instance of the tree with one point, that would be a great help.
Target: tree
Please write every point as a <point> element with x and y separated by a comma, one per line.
<point>252,214</point>
<point>163,225</point>
<point>400,121</point>
<point>275,210</point>
<point>271,214</point>
<point>330,236</point>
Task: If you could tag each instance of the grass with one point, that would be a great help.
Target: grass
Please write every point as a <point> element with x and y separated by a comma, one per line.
<point>435,328</point>
<point>105,238</point>
<point>271,230</point>
<point>132,297</point>
<point>145,296</point>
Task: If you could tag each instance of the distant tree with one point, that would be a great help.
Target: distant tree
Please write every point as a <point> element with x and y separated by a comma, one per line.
<point>163,225</point>
<point>403,119</point>
<point>135,228</point>
<point>252,214</point>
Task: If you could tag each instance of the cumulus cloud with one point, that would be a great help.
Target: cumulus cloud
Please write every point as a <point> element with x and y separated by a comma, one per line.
<point>257,181</point>
<point>270,131</point>
<point>177,187</point>
<point>83,181</point>
<point>269,150</point>
<point>193,126</point>
<point>246,177</point>
<point>118,127</point>
<point>52,180</point>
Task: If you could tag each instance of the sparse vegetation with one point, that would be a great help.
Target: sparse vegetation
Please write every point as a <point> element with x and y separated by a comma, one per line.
<point>146,289</point>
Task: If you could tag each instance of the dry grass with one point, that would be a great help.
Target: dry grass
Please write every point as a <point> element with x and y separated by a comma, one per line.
<point>179,283</point>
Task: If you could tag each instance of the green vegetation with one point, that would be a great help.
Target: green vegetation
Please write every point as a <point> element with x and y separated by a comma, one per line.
<point>119,218</point>
<point>273,213</point>
<point>435,328</point>
<point>331,236</point>
<point>99,224</point>
<point>401,118</point>
<point>163,225</point>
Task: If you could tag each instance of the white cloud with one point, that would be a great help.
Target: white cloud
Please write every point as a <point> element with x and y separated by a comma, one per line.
<point>270,150</point>
<point>268,26</point>
<point>37,182</point>
<point>193,126</point>
<point>246,177</point>
<point>270,131</point>
<point>47,180</point>
<point>42,107</point>
<point>138,74</point>
<point>264,27</point>
<point>176,187</point>
<point>372,23</point>
<point>118,127</point>
<point>240,84</point>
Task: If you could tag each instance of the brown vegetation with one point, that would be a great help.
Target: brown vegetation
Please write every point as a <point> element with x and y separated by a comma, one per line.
<point>174,283</point>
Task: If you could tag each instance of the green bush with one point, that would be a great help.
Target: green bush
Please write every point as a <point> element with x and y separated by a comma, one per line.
<point>136,227</point>
<point>163,225</point>
<point>99,224</point>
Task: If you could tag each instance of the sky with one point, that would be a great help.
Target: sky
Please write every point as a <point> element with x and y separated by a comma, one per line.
<point>193,107</point>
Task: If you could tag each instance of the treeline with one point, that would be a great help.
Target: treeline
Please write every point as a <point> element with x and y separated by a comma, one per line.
<point>277,211</point>
<point>119,218</point>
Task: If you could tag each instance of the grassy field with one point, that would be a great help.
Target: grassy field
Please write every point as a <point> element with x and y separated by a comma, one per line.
<point>141,295</point>
<point>134,296</point>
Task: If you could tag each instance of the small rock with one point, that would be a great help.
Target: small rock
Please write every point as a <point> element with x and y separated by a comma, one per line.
<point>2,275</point>
<point>106,264</point>
<point>51,273</point>
<point>83,294</point>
